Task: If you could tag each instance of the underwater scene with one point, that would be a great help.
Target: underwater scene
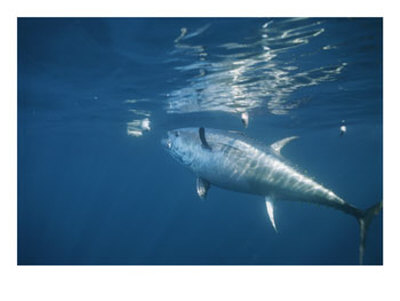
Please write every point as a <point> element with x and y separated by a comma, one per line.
<point>200,141</point>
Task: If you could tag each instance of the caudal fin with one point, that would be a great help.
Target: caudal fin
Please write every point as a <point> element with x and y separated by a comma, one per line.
<point>364,219</point>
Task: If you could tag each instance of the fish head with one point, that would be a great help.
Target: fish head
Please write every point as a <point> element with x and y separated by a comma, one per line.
<point>183,144</point>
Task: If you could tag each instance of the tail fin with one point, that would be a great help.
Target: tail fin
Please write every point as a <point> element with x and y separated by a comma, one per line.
<point>364,219</point>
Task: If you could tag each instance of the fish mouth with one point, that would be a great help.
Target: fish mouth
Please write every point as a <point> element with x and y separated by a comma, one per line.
<point>166,142</point>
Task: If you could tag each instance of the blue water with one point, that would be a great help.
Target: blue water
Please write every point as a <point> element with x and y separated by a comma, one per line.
<point>95,97</point>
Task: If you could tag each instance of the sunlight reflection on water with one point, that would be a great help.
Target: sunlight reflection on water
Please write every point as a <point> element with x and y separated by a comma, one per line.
<point>242,76</point>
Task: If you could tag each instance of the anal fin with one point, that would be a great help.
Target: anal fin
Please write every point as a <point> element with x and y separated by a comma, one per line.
<point>202,187</point>
<point>269,204</point>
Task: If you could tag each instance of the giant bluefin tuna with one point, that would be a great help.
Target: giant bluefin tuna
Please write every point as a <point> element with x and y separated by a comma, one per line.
<point>236,162</point>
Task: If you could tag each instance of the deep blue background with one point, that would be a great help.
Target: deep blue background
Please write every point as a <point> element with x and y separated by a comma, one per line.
<point>89,193</point>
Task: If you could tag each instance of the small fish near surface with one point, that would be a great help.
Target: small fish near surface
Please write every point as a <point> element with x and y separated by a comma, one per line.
<point>233,161</point>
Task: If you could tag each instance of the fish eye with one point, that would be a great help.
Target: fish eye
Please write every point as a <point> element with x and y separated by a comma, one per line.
<point>176,134</point>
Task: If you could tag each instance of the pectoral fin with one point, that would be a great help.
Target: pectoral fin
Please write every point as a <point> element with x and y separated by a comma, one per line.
<point>278,145</point>
<point>202,187</point>
<point>202,135</point>
<point>270,210</point>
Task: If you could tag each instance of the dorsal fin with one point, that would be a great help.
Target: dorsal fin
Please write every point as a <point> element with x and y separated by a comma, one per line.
<point>203,138</point>
<point>278,145</point>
